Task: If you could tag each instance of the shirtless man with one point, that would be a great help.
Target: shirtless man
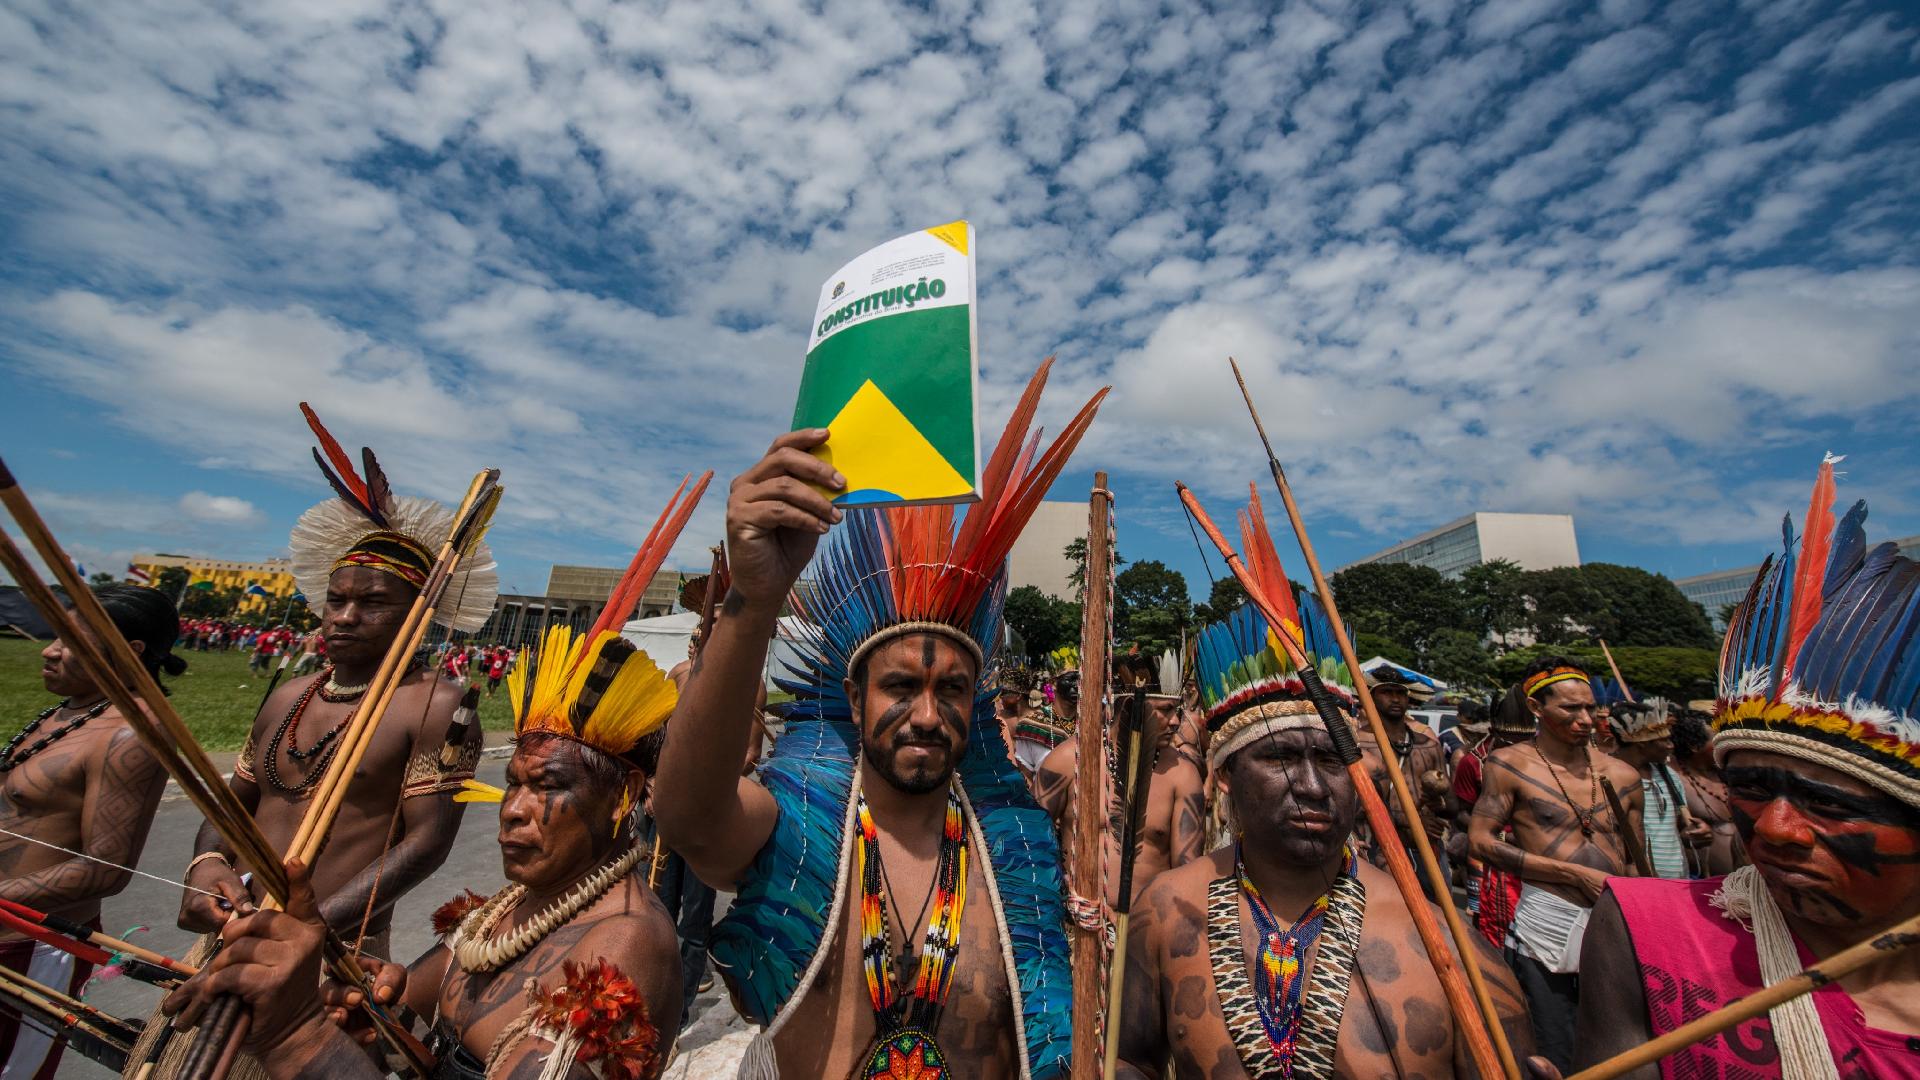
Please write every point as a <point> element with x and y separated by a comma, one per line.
<point>361,568</point>
<point>890,778</point>
<point>1173,831</point>
<point>1706,793</point>
<point>561,825</point>
<point>79,778</point>
<point>1566,841</point>
<point>1422,760</point>
<point>1673,831</point>
<point>1194,951</point>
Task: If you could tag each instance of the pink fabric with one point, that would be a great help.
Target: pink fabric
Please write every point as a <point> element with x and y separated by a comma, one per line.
<point>1693,960</point>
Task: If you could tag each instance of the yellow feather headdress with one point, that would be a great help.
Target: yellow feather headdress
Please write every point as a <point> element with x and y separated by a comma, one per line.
<point>596,687</point>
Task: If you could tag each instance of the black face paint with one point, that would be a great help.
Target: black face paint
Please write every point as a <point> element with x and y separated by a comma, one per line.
<point>1758,783</point>
<point>927,653</point>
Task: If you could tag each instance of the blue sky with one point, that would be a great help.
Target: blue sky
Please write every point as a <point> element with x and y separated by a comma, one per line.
<point>1639,262</point>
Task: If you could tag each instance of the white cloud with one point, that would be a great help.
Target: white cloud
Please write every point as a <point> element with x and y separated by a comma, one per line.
<point>219,509</point>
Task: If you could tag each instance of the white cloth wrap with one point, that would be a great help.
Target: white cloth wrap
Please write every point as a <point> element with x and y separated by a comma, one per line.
<point>1549,929</point>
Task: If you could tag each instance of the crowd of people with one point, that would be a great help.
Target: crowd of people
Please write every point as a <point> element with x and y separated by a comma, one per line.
<point>898,857</point>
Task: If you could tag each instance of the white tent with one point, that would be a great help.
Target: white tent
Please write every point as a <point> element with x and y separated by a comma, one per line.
<point>665,638</point>
<point>1379,662</point>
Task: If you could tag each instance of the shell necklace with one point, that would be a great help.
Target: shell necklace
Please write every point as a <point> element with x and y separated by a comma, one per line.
<point>478,950</point>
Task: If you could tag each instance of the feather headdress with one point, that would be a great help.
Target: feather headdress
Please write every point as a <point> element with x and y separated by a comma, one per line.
<point>596,687</point>
<point>885,573</point>
<point>1822,659</point>
<point>1642,721</point>
<point>368,525</point>
<point>1248,686</point>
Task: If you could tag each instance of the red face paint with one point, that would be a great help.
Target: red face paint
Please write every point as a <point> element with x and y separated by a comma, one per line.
<point>1833,853</point>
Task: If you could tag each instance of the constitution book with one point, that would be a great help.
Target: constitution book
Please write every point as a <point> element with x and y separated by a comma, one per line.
<point>892,371</point>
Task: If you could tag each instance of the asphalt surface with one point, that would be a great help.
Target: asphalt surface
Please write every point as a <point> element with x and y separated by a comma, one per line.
<point>145,914</point>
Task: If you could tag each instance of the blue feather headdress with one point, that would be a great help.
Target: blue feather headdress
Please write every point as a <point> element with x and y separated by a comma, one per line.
<point>1248,686</point>
<point>1822,659</point>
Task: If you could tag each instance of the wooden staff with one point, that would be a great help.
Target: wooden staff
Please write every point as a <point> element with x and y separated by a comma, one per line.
<point>101,943</point>
<point>1636,851</point>
<point>1086,866</point>
<point>1138,769</point>
<point>1459,998</point>
<point>97,1036</point>
<point>1738,1011</point>
<point>226,1023</point>
<point>1617,680</point>
<point>1442,889</point>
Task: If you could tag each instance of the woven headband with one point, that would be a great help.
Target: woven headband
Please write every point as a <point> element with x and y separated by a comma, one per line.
<point>390,553</point>
<point>1249,725</point>
<point>900,630</point>
<point>1556,675</point>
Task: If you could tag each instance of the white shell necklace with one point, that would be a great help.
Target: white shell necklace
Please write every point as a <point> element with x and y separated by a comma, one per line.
<point>477,949</point>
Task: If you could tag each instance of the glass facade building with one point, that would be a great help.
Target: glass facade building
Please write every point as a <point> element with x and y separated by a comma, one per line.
<point>1715,590</point>
<point>1533,541</point>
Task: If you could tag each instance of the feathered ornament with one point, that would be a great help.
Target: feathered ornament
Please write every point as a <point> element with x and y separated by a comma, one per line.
<point>368,525</point>
<point>898,570</point>
<point>596,1018</point>
<point>597,688</point>
<point>448,916</point>
<point>1822,658</point>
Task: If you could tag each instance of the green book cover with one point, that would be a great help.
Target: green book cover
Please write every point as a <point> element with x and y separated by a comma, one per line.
<point>892,371</point>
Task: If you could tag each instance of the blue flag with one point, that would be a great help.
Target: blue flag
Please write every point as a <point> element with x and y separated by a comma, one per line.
<point>254,589</point>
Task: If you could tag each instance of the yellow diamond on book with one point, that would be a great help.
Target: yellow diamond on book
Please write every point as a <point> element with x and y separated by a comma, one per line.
<point>880,450</point>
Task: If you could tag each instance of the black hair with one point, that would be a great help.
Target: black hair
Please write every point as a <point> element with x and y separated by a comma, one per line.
<point>1546,664</point>
<point>1690,733</point>
<point>148,617</point>
<point>1471,711</point>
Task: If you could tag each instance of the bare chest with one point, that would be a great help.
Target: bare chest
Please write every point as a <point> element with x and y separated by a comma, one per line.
<point>833,1029</point>
<point>480,1005</point>
<point>51,781</point>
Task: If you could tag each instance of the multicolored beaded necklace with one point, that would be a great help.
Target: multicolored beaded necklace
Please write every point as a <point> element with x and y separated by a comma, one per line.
<point>1276,968</point>
<point>906,1022</point>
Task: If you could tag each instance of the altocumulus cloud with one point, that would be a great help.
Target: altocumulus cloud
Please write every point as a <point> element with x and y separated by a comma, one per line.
<point>1512,255</point>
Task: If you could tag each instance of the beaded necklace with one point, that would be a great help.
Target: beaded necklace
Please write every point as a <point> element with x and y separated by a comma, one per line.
<point>1276,968</point>
<point>906,1022</point>
<point>8,762</point>
<point>323,750</point>
<point>1584,817</point>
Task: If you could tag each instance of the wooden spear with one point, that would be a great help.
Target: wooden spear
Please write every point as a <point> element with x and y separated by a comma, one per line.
<point>1086,867</point>
<point>1738,1011</point>
<point>1442,889</point>
<point>1459,999</point>
<point>1137,768</point>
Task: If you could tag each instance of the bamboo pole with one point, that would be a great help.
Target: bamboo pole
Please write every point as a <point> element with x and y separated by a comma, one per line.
<point>1137,768</point>
<point>1459,998</point>
<point>1087,877</point>
<point>1442,889</point>
<point>1617,680</point>
<point>1738,1011</point>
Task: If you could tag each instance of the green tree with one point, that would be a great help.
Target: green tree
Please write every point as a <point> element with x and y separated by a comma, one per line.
<point>1494,599</point>
<point>101,577</point>
<point>210,603</point>
<point>1679,674</point>
<point>1076,553</point>
<point>1398,601</point>
<point>1044,622</point>
<point>1641,608</point>
<point>1151,607</point>
<point>171,580</point>
<point>1562,604</point>
<point>1225,597</point>
<point>1461,657</point>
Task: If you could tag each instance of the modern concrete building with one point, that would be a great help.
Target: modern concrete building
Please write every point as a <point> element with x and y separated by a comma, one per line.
<point>1039,556</point>
<point>575,596</point>
<point>1534,541</point>
<point>594,584</point>
<point>1716,589</point>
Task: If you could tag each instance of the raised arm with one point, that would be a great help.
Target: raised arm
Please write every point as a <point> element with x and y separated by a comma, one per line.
<point>711,816</point>
<point>122,792</point>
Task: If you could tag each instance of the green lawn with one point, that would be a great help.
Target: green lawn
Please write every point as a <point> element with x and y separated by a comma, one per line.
<point>217,696</point>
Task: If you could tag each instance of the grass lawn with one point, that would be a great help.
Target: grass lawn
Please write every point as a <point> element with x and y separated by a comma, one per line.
<point>217,696</point>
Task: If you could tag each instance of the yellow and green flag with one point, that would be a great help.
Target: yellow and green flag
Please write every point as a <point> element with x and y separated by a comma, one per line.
<point>892,371</point>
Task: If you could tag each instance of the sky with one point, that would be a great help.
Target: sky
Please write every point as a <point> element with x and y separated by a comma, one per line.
<point>1639,262</point>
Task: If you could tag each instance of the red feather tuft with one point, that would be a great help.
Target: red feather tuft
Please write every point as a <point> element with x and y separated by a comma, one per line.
<point>653,551</point>
<point>342,463</point>
<point>1264,561</point>
<point>1810,571</point>
<point>448,916</point>
<point>600,1006</point>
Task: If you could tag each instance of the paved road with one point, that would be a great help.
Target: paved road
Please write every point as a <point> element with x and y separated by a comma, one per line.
<point>709,1048</point>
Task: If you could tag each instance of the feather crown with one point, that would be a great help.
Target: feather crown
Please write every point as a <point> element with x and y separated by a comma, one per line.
<point>1240,661</point>
<point>1821,661</point>
<point>892,571</point>
<point>368,525</point>
<point>597,688</point>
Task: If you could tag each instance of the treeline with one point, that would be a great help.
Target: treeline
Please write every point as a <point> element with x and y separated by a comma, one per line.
<point>1477,631</point>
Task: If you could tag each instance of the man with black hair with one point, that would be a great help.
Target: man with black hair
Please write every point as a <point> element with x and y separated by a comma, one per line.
<point>1673,832</point>
<point>1706,791</point>
<point>78,790</point>
<point>1422,760</point>
<point>1566,840</point>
